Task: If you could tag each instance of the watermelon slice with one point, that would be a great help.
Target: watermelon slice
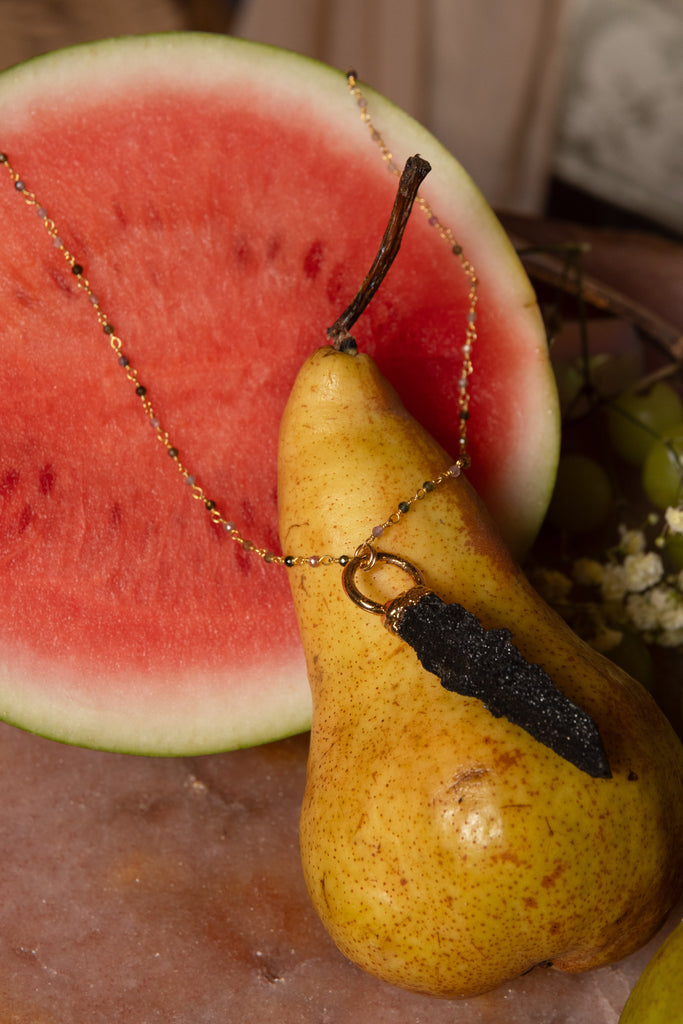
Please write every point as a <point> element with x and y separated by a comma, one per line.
<point>225,200</point>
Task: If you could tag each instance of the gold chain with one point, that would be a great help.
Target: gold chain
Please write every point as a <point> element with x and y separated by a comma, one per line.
<point>448,237</point>
<point>196,490</point>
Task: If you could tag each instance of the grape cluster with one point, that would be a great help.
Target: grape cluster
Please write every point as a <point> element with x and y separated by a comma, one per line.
<point>610,557</point>
<point>620,586</point>
<point>645,430</point>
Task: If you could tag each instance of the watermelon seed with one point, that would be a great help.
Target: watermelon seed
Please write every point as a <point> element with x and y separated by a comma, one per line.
<point>25,518</point>
<point>313,260</point>
<point>46,479</point>
<point>9,481</point>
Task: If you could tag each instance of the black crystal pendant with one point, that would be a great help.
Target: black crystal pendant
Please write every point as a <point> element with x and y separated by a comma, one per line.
<point>484,663</point>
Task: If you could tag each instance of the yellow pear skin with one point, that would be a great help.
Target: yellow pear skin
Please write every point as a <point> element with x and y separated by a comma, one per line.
<point>446,850</point>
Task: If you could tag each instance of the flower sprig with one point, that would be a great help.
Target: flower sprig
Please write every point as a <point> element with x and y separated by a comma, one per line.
<point>627,590</point>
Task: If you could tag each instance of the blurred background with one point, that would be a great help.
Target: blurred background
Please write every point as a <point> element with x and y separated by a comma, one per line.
<point>558,108</point>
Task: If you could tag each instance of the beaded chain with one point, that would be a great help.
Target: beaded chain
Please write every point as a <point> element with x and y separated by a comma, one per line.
<point>448,237</point>
<point>196,490</point>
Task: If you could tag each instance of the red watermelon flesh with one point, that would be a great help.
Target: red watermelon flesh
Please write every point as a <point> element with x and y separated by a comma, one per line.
<point>225,200</point>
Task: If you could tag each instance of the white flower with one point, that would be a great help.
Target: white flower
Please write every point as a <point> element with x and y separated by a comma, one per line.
<point>670,608</point>
<point>588,572</point>
<point>672,618</point>
<point>661,597</point>
<point>613,584</point>
<point>670,638</point>
<point>642,612</point>
<point>674,519</point>
<point>631,542</point>
<point>642,571</point>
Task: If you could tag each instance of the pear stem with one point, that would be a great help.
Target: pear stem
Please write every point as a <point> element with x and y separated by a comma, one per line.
<point>415,171</point>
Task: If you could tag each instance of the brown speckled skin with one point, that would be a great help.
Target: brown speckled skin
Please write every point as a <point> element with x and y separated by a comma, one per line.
<point>446,851</point>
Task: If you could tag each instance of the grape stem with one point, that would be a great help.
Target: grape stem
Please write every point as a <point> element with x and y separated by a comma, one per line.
<point>543,264</point>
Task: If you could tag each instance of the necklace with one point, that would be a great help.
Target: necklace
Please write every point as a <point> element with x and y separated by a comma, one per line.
<point>197,491</point>
<point>448,640</point>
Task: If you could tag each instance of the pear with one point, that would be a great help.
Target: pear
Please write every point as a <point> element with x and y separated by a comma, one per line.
<point>658,994</point>
<point>444,849</point>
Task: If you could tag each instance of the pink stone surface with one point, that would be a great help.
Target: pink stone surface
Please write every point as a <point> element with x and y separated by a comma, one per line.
<point>139,890</point>
<point>148,890</point>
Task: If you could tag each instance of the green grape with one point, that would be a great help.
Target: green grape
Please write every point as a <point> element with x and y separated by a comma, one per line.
<point>636,420</point>
<point>663,470</point>
<point>582,498</point>
<point>606,373</point>
<point>569,381</point>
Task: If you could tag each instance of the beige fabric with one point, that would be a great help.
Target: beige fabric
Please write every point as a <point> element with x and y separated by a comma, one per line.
<point>621,112</point>
<point>32,27</point>
<point>483,75</point>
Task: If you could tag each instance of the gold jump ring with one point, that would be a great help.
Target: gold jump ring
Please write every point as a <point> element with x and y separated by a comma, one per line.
<point>361,562</point>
